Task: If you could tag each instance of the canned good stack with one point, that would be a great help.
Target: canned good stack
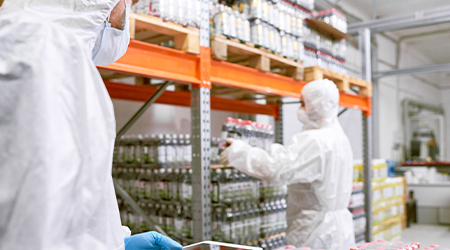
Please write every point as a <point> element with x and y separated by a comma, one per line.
<point>356,207</point>
<point>184,12</point>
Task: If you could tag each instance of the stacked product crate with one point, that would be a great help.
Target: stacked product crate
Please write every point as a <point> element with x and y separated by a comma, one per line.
<point>155,171</point>
<point>387,201</point>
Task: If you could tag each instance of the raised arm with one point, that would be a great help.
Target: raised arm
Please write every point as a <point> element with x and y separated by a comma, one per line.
<point>301,161</point>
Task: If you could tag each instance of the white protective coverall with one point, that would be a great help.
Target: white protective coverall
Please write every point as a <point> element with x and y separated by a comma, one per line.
<point>317,167</point>
<point>57,129</point>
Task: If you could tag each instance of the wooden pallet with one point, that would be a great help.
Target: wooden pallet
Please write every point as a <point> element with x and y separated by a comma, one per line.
<point>343,82</point>
<point>154,30</point>
<point>232,50</point>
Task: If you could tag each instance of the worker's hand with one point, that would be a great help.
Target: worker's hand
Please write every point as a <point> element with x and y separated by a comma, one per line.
<point>151,241</point>
<point>224,155</point>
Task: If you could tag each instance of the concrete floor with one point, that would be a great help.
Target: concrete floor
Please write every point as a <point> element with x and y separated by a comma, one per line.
<point>427,235</point>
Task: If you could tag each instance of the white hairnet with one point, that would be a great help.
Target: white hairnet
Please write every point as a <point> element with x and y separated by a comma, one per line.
<point>321,99</point>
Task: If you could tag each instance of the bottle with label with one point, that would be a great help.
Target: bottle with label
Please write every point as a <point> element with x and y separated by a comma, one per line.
<point>186,185</point>
<point>215,175</point>
<point>228,187</point>
<point>218,224</point>
<point>229,227</point>
<point>257,36</point>
<point>170,220</point>
<point>232,22</point>
<point>265,11</point>
<point>249,224</point>
<point>174,144</point>
<point>154,182</point>
<point>142,179</point>
<point>163,217</point>
<point>155,214</point>
<point>178,220</point>
<point>161,151</point>
<point>180,150</point>
<point>238,225</point>
<point>161,189</point>
<point>148,150</point>
<point>148,184</point>
<point>266,35</point>
<point>129,149</point>
<point>188,225</point>
<point>228,131</point>
<point>167,179</point>
<point>170,151</point>
<point>237,189</point>
<point>215,150</point>
<point>116,153</point>
<point>187,150</point>
<point>256,9</point>
<point>238,128</point>
<point>175,185</point>
<point>221,21</point>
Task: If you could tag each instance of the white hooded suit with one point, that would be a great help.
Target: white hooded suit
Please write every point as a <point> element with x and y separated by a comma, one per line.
<point>317,167</point>
<point>57,129</point>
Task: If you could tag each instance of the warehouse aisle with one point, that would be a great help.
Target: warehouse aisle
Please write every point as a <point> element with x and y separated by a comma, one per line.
<point>427,235</point>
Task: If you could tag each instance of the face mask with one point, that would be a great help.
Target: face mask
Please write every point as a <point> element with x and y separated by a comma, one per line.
<point>112,43</point>
<point>303,118</point>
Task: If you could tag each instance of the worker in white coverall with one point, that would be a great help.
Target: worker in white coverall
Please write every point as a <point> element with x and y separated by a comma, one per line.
<point>317,167</point>
<point>57,127</point>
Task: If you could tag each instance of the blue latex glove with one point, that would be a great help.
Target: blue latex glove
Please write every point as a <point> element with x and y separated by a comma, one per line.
<point>151,241</point>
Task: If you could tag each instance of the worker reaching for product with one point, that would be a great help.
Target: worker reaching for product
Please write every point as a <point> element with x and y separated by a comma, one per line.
<point>317,167</point>
<point>57,126</point>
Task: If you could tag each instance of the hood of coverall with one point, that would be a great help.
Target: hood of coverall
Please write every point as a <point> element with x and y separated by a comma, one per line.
<point>321,99</point>
<point>83,17</point>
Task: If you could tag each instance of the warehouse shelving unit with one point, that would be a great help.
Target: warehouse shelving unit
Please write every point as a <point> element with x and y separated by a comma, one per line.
<point>205,75</point>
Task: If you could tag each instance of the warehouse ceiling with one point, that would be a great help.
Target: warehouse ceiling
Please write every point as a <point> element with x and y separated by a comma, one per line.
<point>431,41</point>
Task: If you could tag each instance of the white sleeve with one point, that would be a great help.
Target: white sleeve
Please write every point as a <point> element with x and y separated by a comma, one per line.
<point>301,161</point>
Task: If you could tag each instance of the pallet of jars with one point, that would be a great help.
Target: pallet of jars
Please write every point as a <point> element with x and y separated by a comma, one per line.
<point>343,82</point>
<point>230,50</point>
<point>167,23</point>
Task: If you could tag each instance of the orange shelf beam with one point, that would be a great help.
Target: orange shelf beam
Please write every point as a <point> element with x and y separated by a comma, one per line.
<point>150,60</point>
<point>179,98</point>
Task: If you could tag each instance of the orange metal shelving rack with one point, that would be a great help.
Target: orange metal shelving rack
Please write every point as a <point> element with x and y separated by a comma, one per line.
<point>153,61</point>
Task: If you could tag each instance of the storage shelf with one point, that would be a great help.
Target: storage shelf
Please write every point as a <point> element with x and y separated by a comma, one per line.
<point>154,61</point>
